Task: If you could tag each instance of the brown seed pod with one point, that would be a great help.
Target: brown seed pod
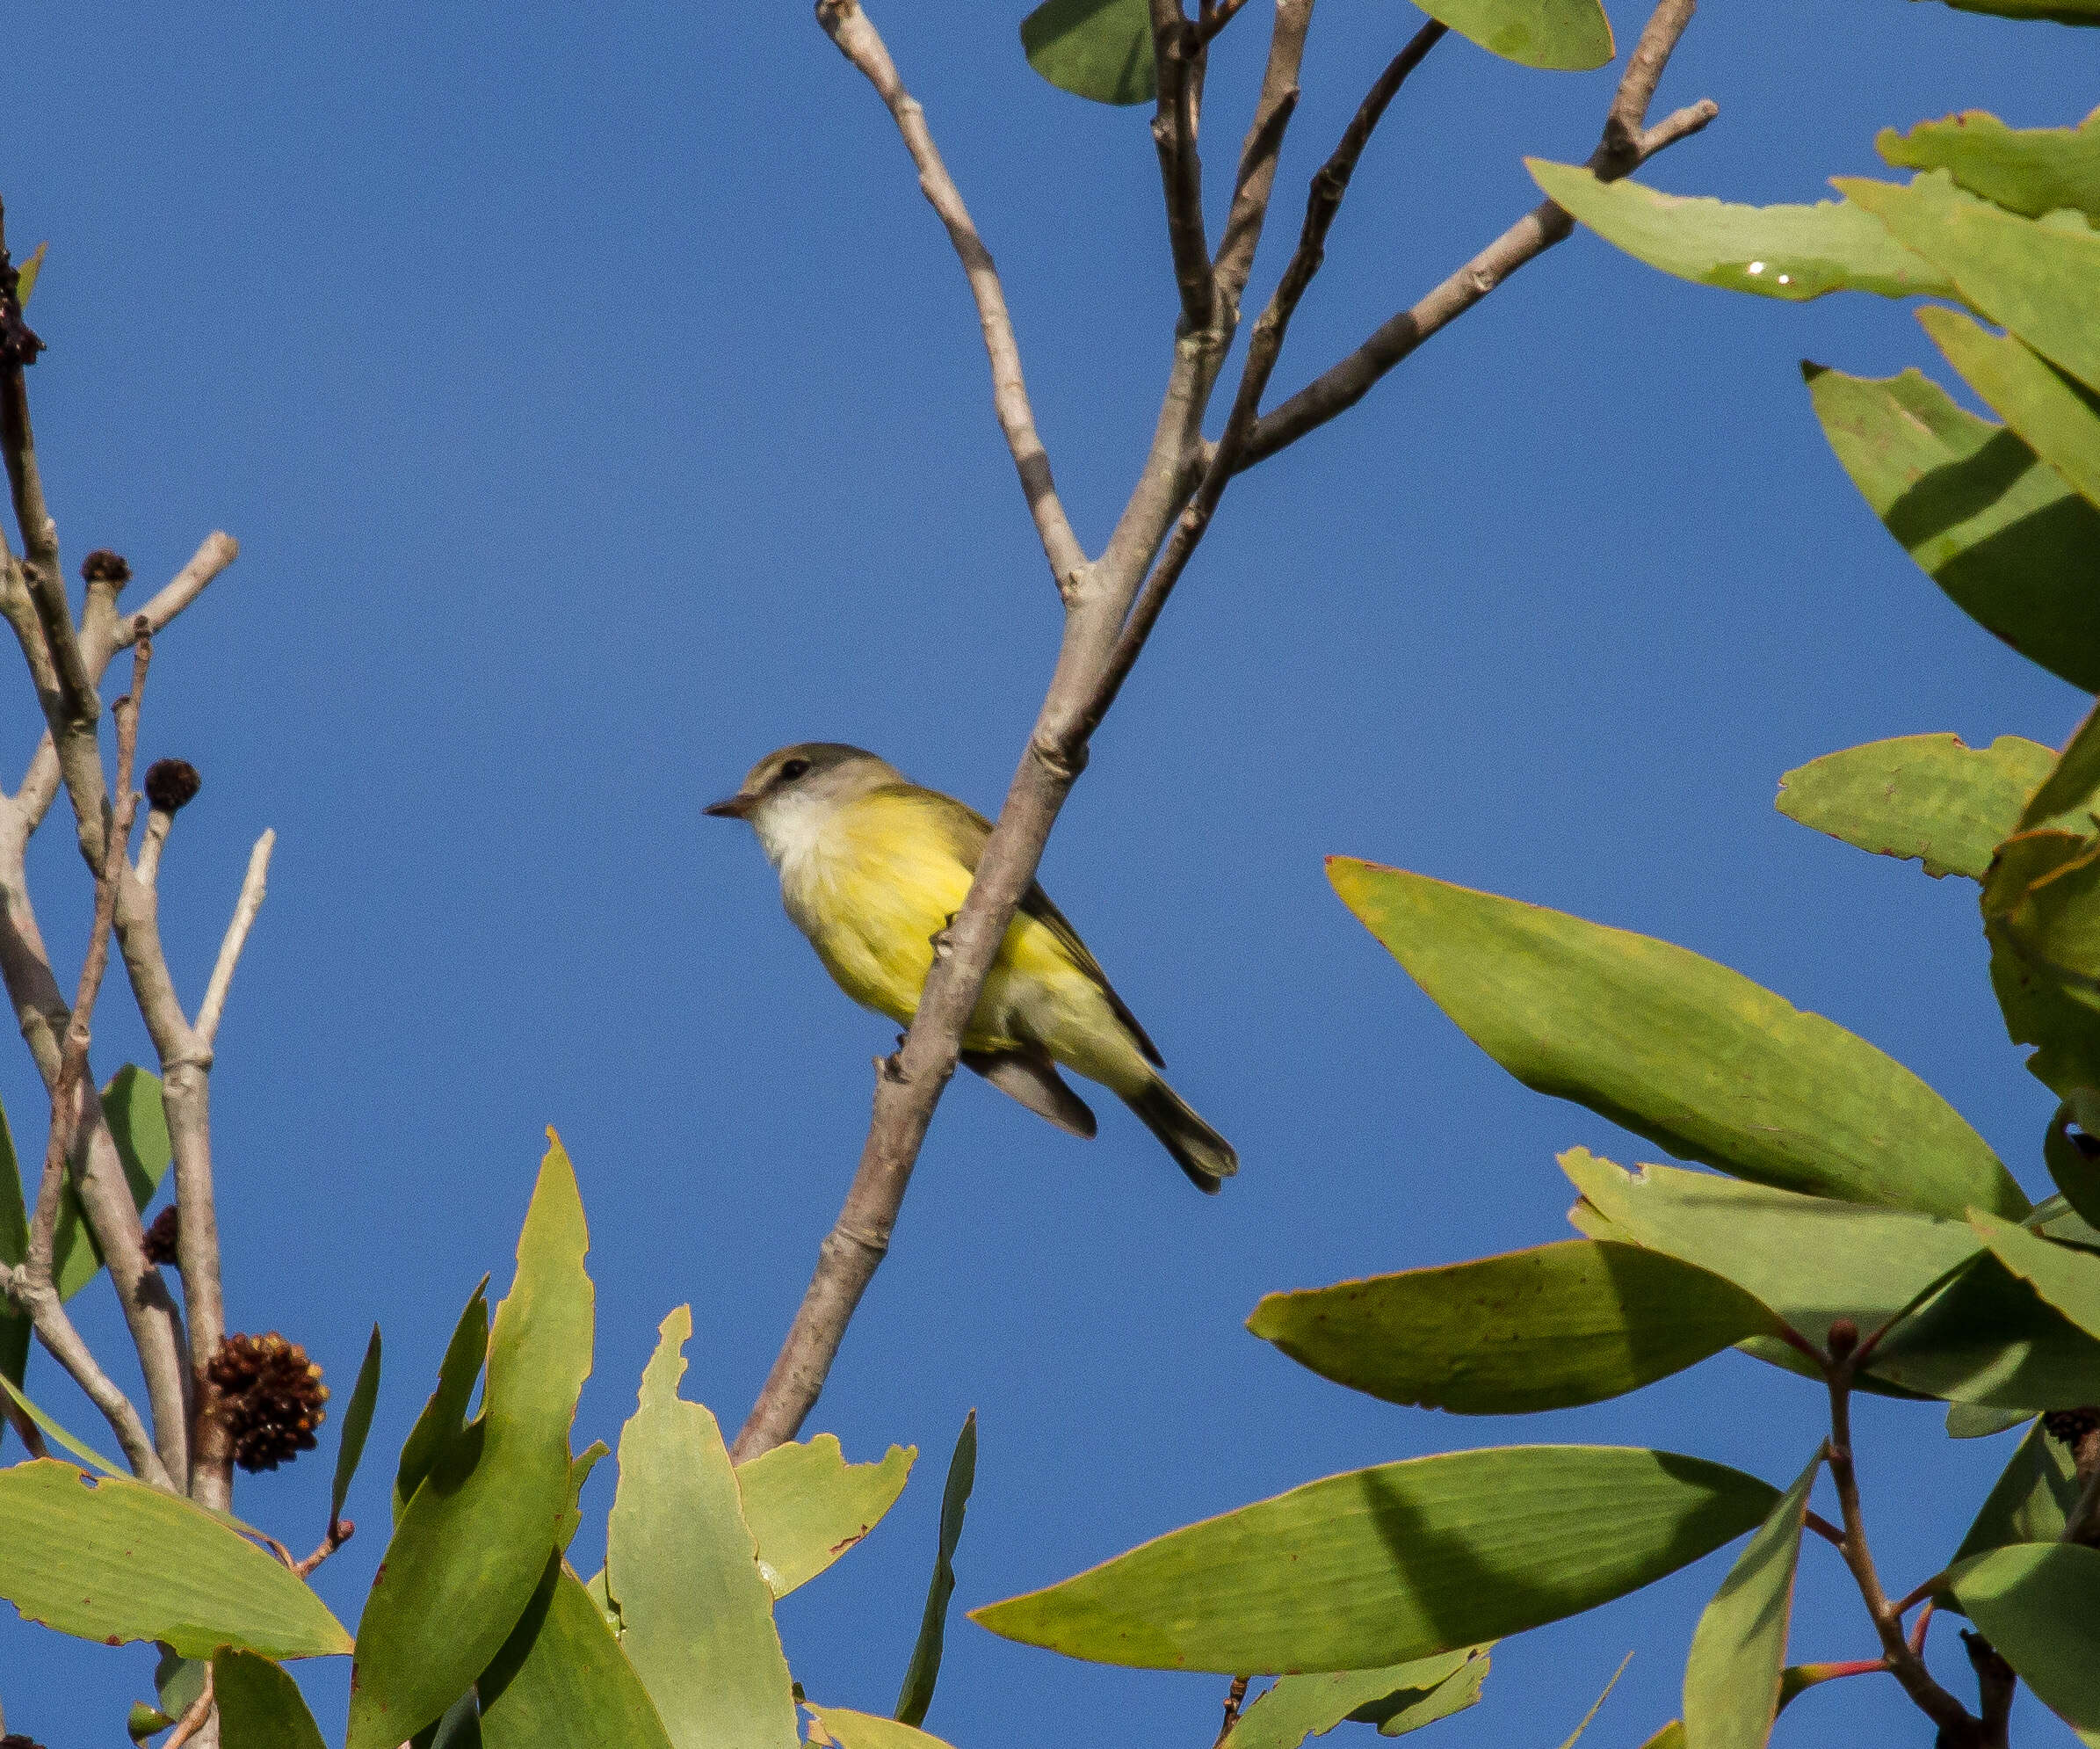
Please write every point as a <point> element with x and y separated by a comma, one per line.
<point>2070,1425</point>
<point>163,1238</point>
<point>15,1739</point>
<point>269,1398</point>
<point>104,566</point>
<point>172,785</point>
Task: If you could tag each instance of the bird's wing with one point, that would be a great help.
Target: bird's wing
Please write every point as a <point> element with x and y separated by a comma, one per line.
<point>966,831</point>
<point>1030,1077</point>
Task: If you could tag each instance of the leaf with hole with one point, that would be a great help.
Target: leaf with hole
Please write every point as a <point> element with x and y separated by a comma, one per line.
<point>807,1506</point>
<point>1926,797</point>
<point>682,1569</point>
<point>1382,1566</point>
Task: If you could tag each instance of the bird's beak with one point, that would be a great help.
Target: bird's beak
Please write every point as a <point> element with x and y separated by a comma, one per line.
<point>736,806</point>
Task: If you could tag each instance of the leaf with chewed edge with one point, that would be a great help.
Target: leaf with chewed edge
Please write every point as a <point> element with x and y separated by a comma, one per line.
<point>807,1506</point>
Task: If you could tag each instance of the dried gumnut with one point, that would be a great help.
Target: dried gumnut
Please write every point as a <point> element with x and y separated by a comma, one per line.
<point>269,1398</point>
<point>104,566</point>
<point>163,1238</point>
<point>172,785</point>
<point>2070,1425</point>
<point>15,1739</point>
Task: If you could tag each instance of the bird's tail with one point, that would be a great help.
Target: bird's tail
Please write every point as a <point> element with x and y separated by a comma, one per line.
<point>1207,1157</point>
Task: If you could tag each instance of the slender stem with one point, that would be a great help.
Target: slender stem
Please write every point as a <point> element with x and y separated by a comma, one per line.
<point>1956,1725</point>
<point>1824,1529</point>
<point>1255,180</point>
<point>339,1532</point>
<point>1622,148</point>
<point>194,1721</point>
<point>1178,47</point>
<point>847,23</point>
<point>1236,1697</point>
<point>252,888</point>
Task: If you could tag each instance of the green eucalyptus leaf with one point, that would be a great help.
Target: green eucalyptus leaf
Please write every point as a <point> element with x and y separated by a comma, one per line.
<point>1099,49</point>
<point>682,1567</point>
<point>2031,1501</point>
<point>1548,1328</point>
<point>2029,170</point>
<point>925,1669</point>
<point>561,1679</point>
<point>2067,1277</point>
<point>851,1729</point>
<point>357,1424</point>
<point>579,1472</point>
<point>108,1558</point>
<point>1809,1260</point>
<point>1731,1679</point>
<point>51,1430</point>
<point>1398,1699</point>
<point>1986,1336</point>
<point>2061,12</point>
<point>1691,1056</point>
<point>2072,1165</point>
<point>2040,1005</point>
<point>2065,799</point>
<point>1671,1737</point>
<point>807,1506</point>
<point>1382,1566</point>
<point>138,1124</point>
<point>1996,527</point>
<point>259,1705</point>
<point>1920,796</point>
<point>460,1728</point>
<point>1789,252</point>
<point>2054,416</point>
<point>145,1721</point>
<point>2034,1603</point>
<point>2041,282</point>
<point>1556,36</point>
<point>438,1428</point>
<point>1979,1421</point>
<point>475,1538</point>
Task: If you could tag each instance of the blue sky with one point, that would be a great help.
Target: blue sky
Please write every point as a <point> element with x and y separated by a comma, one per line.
<point>599,406</point>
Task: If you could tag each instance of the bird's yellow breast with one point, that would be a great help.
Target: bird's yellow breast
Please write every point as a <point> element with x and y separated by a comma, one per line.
<point>876,882</point>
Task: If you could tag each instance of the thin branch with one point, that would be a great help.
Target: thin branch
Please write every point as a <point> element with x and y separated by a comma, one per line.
<point>1920,1628</point>
<point>1922,1593</point>
<point>40,785</point>
<point>339,1532</point>
<point>1215,18</point>
<point>847,23</point>
<point>17,1418</point>
<point>252,888</point>
<point>1956,1725</point>
<point>1256,179</point>
<point>194,1721</point>
<point>1824,1529</point>
<point>1177,48</point>
<point>1622,148</point>
<point>1995,1683</point>
<point>69,1091</point>
<point>1236,1697</point>
<point>1323,200</point>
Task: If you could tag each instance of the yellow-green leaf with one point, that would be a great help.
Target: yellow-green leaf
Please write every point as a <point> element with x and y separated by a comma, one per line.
<point>1923,797</point>
<point>2040,1005</point>
<point>1558,36</point>
<point>2032,1501</point>
<point>1382,1566</point>
<point>259,1705</point>
<point>2029,170</point>
<point>474,1539</point>
<point>924,1671</point>
<point>1677,1049</point>
<point>851,1729</point>
<point>1548,1328</point>
<point>807,1506</point>
<point>1739,1648</point>
<point>2034,1603</point>
<point>1099,49</point>
<point>2056,417</point>
<point>1295,1708</point>
<point>1996,527</point>
<point>108,1558</point>
<point>682,1570</point>
<point>1789,252</point>
<point>561,1679</point>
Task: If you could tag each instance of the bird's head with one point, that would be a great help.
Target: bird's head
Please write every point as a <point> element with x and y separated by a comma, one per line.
<point>789,794</point>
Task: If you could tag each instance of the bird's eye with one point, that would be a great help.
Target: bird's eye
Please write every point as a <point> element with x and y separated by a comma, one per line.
<point>792,769</point>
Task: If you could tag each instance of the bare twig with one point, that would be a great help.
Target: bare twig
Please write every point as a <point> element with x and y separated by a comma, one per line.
<point>848,26</point>
<point>194,1721</point>
<point>1920,1628</point>
<point>1216,17</point>
<point>1956,1725</point>
<point>252,888</point>
<point>339,1532</point>
<point>69,1091</point>
<point>1256,179</point>
<point>1178,49</point>
<point>1623,147</point>
<point>1824,1529</point>
<point>17,1418</point>
<point>1236,1697</point>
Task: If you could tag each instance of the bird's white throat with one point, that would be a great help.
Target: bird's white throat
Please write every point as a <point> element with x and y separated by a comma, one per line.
<point>790,829</point>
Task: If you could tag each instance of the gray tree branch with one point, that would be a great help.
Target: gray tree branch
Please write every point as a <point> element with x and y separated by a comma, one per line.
<point>1624,147</point>
<point>848,27</point>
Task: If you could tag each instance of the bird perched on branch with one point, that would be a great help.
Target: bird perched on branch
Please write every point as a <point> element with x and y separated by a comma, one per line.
<point>873,867</point>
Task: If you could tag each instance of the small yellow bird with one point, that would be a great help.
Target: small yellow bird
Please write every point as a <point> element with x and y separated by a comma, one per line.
<point>874,866</point>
